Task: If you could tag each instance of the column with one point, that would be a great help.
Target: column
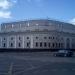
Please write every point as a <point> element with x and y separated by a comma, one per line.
<point>23,41</point>
<point>8,42</point>
<point>31,42</point>
<point>15,41</point>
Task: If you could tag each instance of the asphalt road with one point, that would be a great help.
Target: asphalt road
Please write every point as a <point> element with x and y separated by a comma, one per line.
<point>35,64</point>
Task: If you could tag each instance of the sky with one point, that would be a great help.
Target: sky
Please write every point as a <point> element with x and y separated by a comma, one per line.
<point>16,10</point>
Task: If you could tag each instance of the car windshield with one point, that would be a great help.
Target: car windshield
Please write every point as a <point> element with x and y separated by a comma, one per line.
<point>62,51</point>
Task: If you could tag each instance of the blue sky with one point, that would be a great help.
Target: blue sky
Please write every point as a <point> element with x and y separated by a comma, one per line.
<point>12,10</point>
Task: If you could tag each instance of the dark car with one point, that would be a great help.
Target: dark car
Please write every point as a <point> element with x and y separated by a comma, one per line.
<point>64,53</point>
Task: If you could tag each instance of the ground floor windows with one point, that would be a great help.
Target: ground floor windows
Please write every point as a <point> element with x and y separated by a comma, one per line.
<point>51,45</point>
<point>48,45</point>
<point>13,42</point>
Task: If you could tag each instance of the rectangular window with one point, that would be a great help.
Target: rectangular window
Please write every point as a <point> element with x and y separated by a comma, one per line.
<point>11,44</point>
<point>19,38</point>
<point>19,44</point>
<point>59,45</point>
<point>53,45</point>
<point>49,44</point>
<point>45,44</point>
<point>40,44</point>
<point>28,44</point>
<point>36,44</point>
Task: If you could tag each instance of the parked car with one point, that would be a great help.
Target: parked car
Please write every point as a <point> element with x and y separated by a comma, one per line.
<point>64,53</point>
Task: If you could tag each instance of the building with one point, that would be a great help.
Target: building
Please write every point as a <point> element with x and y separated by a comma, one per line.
<point>37,34</point>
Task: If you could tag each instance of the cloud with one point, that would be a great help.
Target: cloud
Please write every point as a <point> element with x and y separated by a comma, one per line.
<point>14,1</point>
<point>5,14</point>
<point>5,4</point>
<point>72,21</point>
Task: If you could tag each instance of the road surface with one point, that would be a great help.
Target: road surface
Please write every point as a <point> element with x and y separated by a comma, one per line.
<point>35,64</point>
